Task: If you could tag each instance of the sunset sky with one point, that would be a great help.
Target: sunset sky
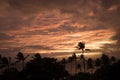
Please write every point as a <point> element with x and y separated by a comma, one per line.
<point>56,26</point>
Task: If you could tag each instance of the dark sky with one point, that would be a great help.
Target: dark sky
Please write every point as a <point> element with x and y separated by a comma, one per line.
<point>56,26</point>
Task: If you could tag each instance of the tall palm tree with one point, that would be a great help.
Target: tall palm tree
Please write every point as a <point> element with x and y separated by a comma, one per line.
<point>74,58</point>
<point>0,60</point>
<point>90,64</point>
<point>21,57</point>
<point>79,67</point>
<point>81,45</point>
<point>82,57</point>
<point>70,60</point>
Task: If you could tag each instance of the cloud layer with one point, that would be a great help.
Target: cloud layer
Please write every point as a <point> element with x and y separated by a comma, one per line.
<point>47,26</point>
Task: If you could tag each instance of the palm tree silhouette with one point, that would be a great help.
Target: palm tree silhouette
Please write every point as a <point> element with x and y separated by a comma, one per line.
<point>63,61</point>
<point>81,45</point>
<point>6,62</point>
<point>105,60</point>
<point>97,63</point>
<point>113,59</point>
<point>82,57</point>
<point>37,56</point>
<point>90,64</point>
<point>70,60</point>
<point>79,67</point>
<point>21,57</point>
<point>74,58</point>
<point>0,60</point>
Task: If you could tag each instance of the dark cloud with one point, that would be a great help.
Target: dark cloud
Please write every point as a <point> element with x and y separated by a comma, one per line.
<point>110,16</point>
<point>40,47</point>
<point>5,36</point>
<point>36,32</point>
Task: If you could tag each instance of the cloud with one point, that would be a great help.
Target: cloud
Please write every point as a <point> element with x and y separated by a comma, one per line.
<point>5,36</point>
<point>41,22</point>
<point>40,47</point>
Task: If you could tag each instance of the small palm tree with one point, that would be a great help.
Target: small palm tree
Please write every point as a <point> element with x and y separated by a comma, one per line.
<point>98,63</point>
<point>113,59</point>
<point>5,62</point>
<point>63,61</point>
<point>105,60</point>
<point>37,56</point>
<point>21,57</point>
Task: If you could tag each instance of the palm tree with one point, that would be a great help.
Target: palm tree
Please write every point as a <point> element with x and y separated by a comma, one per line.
<point>105,60</point>
<point>21,57</point>
<point>63,61</point>
<point>5,62</point>
<point>90,64</point>
<point>98,63</point>
<point>81,45</point>
<point>113,59</point>
<point>79,67</point>
<point>37,56</point>
<point>74,58</point>
<point>0,60</point>
<point>82,57</point>
<point>70,60</point>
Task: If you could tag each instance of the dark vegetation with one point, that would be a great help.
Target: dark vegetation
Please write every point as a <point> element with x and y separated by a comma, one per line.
<point>45,68</point>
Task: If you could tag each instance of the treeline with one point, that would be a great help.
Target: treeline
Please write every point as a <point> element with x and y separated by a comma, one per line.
<point>46,68</point>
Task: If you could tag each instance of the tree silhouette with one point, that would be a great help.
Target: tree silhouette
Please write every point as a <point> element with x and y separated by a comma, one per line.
<point>79,67</point>
<point>81,45</point>
<point>6,62</point>
<point>105,60</point>
<point>109,72</point>
<point>90,64</point>
<point>37,57</point>
<point>21,57</point>
<point>74,58</point>
<point>70,60</point>
<point>45,69</point>
<point>82,57</point>
<point>113,59</point>
<point>98,63</point>
<point>63,61</point>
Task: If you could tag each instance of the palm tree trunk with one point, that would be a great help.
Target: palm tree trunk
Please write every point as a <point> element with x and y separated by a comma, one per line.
<point>84,66</point>
<point>23,64</point>
<point>71,66</point>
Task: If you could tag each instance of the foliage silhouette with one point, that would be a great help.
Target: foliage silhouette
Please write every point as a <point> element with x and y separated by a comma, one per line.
<point>90,65</point>
<point>38,68</point>
<point>81,45</point>
<point>21,57</point>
